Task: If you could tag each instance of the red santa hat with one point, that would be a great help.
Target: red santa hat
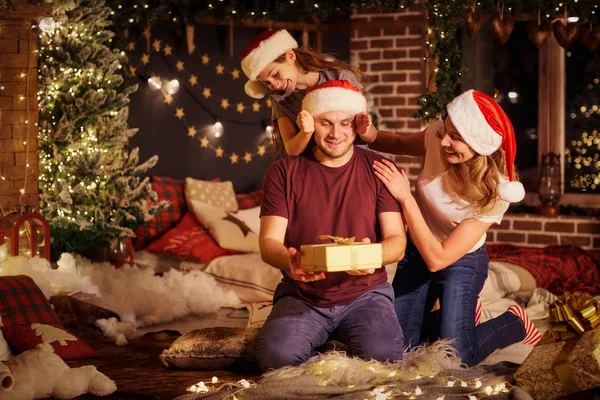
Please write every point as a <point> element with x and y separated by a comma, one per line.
<point>485,127</point>
<point>334,95</point>
<point>263,50</point>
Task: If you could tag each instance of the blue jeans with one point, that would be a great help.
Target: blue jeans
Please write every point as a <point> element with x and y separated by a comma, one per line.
<point>457,287</point>
<point>295,329</point>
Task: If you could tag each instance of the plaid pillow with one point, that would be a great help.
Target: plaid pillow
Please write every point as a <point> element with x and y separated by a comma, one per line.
<point>28,320</point>
<point>22,302</point>
<point>249,200</point>
<point>171,190</point>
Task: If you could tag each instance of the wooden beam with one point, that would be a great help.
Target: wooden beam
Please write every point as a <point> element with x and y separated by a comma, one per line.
<point>312,27</point>
<point>25,10</point>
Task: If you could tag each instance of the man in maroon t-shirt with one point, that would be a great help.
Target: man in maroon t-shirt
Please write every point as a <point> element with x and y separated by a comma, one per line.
<point>329,190</point>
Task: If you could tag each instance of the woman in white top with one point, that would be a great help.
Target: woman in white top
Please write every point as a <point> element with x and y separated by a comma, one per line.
<point>466,185</point>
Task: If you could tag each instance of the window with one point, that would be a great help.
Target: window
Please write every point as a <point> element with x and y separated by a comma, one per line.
<point>582,120</point>
<point>541,90</point>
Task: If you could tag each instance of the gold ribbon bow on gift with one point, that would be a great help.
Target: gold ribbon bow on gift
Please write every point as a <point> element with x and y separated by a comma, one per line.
<point>573,314</point>
<point>338,239</point>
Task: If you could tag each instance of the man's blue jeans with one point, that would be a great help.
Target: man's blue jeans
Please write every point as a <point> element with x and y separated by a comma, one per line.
<point>295,329</point>
<point>457,287</point>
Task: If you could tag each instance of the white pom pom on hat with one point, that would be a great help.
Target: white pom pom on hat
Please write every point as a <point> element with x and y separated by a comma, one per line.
<point>265,48</point>
<point>255,89</point>
<point>485,127</point>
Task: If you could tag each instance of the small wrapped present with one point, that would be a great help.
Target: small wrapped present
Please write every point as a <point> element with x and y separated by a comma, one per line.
<point>341,255</point>
<point>567,359</point>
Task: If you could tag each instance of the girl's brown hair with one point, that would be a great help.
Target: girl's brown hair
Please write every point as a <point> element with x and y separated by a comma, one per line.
<point>308,60</point>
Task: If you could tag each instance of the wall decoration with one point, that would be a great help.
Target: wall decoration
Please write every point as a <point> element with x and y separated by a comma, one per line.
<point>219,108</point>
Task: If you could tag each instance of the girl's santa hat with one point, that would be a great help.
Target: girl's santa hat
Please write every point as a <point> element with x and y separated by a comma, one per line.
<point>263,50</point>
<point>485,127</point>
<point>334,95</point>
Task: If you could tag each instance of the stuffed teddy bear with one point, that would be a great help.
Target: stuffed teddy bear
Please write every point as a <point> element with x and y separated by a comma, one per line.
<point>39,373</point>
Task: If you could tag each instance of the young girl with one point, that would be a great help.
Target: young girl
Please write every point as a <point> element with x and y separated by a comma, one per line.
<point>273,61</point>
<point>466,185</point>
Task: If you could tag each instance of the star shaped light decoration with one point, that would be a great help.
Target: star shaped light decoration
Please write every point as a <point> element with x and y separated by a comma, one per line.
<point>192,131</point>
<point>147,32</point>
<point>169,99</point>
<point>206,93</point>
<point>225,104</point>
<point>247,157</point>
<point>179,113</point>
<point>156,44</point>
<point>219,152</point>
<point>132,70</point>
<point>204,142</point>
<point>205,59</point>
<point>168,50</point>
<point>240,107</point>
<point>145,58</point>
<point>234,158</point>
<point>268,102</point>
<point>179,65</point>
<point>220,68</point>
<point>261,150</point>
<point>131,46</point>
<point>235,74</point>
<point>243,227</point>
<point>193,80</point>
<point>256,106</point>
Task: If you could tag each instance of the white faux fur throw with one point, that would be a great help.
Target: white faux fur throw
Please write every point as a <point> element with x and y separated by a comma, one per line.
<point>336,368</point>
<point>426,373</point>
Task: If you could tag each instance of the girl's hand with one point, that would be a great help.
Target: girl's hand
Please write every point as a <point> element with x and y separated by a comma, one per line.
<point>395,181</point>
<point>305,122</point>
<point>299,273</point>
<point>362,122</point>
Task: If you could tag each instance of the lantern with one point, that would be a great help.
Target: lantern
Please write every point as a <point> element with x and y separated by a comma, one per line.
<point>550,184</point>
<point>26,233</point>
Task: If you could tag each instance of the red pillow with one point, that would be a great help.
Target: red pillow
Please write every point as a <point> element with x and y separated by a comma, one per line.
<point>189,240</point>
<point>28,320</point>
<point>249,200</point>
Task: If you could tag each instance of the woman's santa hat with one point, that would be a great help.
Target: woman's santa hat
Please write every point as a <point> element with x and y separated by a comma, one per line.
<point>263,50</point>
<point>334,95</point>
<point>485,127</point>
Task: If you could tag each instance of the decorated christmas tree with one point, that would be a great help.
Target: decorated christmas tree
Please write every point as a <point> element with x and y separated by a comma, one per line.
<point>91,191</point>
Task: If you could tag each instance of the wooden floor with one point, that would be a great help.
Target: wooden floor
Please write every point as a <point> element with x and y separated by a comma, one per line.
<point>136,367</point>
<point>139,373</point>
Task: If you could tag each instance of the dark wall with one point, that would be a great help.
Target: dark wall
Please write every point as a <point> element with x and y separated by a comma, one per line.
<point>163,134</point>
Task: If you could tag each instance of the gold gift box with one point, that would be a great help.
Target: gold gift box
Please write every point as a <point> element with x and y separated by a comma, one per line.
<point>554,369</point>
<point>333,257</point>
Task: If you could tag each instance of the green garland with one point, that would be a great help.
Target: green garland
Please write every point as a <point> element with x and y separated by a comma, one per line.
<point>445,16</point>
<point>10,4</point>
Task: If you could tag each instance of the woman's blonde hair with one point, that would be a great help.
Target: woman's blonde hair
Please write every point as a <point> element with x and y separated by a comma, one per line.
<point>483,173</point>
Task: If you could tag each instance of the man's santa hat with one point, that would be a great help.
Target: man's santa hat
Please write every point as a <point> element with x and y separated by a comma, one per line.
<point>263,50</point>
<point>485,127</point>
<point>334,95</point>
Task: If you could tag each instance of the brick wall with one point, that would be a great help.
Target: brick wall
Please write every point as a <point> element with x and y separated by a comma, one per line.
<point>392,58</point>
<point>538,231</point>
<point>18,106</point>
<point>390,48</point>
